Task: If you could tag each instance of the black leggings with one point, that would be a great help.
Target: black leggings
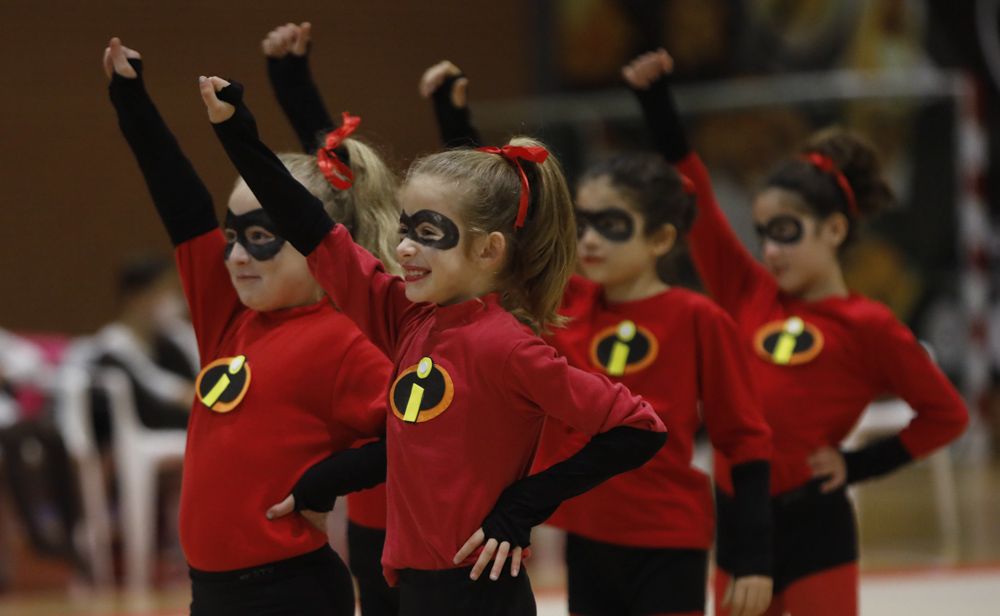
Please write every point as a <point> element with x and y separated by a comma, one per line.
<point>365,545</point>
<point>450,592</point>
<point>314,584</point>
<point>813,532</point>
<point>605,579</point>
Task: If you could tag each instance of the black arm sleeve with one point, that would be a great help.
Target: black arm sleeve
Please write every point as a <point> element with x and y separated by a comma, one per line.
<point>876,459</point>
<point>297,215</point>
<point>342,473</point>
<point>299,98</point>
<point>663,120</point>
<point>753,552</point>
<point>528,502</point>
<point>454,123</point>
<point>180,197</point>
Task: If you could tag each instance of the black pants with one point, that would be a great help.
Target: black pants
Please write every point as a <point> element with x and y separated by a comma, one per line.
<point>812,532</point>
<point>450,592</point>
<point>605,579</point>
<point>365,545</point>
<point>314,584</point>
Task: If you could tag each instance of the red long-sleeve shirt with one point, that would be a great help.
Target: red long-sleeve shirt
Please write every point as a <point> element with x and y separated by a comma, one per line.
<point>681,353</point>
<point>816,364</point>
<point>471,390</point>
<point>310,379</point>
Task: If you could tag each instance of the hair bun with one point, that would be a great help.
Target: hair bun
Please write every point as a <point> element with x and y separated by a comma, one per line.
<point>858,160</point>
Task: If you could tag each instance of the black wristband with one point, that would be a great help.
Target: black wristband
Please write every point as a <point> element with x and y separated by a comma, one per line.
<point>181,199</point>
<point>530,501</point>
<point>342,473</point>
<point>454,123</point>
<point>298,216</point>
<point>753,547</point>
<point>876,459</point>
<point>663,120</point>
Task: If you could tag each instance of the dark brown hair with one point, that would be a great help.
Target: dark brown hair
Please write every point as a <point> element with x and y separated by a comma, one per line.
<point>821,195</point>
<point>652,185</point>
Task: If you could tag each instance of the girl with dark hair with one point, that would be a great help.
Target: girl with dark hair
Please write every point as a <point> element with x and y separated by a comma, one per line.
<point>487,245</point>
<point>821,352</point>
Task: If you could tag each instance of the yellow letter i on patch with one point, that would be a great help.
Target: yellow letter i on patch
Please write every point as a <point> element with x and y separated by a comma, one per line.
<point>619,352</point>
<point>417,392</point>
<point>785,347</point>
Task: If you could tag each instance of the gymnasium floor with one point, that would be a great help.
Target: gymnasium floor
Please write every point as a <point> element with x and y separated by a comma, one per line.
<point>907,568</point>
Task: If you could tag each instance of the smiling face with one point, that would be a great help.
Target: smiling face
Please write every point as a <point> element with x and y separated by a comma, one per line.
<point>798,249</point>
<point>614,248</point>
<point>443,261</point>
<point>267,272</point>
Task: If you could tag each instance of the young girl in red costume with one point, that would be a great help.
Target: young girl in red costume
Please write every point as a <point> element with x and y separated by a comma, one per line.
<point>487,246</point>
<point>287,51</point>
<point>638,544</point>
<point>821,352</point>
<point>286,378</point>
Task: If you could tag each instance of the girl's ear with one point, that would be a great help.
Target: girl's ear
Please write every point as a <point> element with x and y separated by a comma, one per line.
<point>834,229</point>
<point>663,239</point>
<point>491,250</point>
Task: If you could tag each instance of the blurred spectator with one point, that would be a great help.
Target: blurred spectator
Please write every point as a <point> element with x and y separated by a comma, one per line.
<point>150,341</point>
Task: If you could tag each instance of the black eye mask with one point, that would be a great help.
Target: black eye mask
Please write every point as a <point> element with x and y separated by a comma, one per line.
<point>261,251</point>
<point>782,229</point>
<point>408,226</point>
<point>613,224</point>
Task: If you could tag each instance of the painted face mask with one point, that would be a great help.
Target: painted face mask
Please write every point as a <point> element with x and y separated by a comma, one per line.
<point>236,232</point>
<point>613,224</point>
<point>782,229</point>
<point>429,228</point>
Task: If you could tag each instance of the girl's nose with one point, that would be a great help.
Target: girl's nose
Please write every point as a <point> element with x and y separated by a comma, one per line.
<point>406,248</point>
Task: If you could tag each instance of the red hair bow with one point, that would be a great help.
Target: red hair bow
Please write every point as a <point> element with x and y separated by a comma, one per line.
<point>336,172</point>
<point>514,153</point>
<point>825,163</point>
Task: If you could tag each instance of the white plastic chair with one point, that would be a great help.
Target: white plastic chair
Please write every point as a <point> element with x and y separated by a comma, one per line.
<point>887,417</point>
<point>139,454</point>
<point>72,411</point>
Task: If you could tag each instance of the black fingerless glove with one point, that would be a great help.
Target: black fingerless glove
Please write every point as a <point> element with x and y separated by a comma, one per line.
<point>663,120</point>
<point>181,199</point>
<point>878,458</point>
<point>454,123</point>
<point>298,216</point>
<point>753,542</point>
<point>530,501</point>
<point>299,98</point>
<point>342,473</point>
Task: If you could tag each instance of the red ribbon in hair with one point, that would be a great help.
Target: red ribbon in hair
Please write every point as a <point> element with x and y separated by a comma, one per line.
<point>515,153</point>
<point>825,163</point>
<point>336,172</point>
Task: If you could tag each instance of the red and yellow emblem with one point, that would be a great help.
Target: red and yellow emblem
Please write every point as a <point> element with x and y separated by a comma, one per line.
<point>421,392</point>
<point>623,349</point>
<point>222,384</point>
<point>788,342</point>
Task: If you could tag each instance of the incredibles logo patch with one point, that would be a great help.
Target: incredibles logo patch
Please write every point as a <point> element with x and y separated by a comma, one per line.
<point>222,384</point>
<point>421,392</point>
<point>623,349</point>
<point>789,342</point>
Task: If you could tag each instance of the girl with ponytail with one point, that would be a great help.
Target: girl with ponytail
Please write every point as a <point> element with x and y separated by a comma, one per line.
<point>638,544</point>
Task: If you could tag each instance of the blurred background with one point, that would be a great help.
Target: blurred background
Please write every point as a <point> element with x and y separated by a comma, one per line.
<point>86,266</point>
